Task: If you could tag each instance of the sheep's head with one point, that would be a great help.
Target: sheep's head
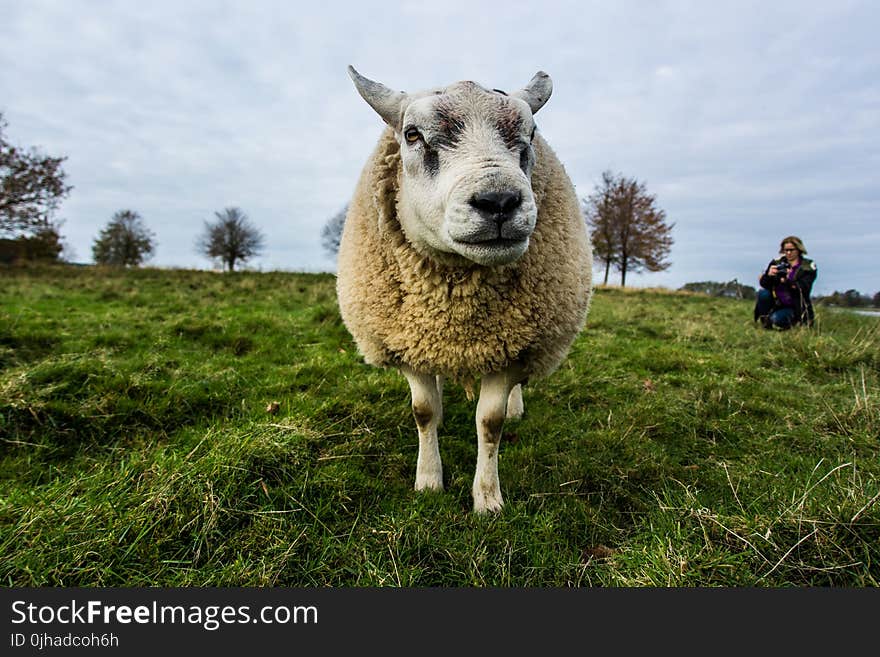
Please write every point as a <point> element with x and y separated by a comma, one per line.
<point>467,163</point>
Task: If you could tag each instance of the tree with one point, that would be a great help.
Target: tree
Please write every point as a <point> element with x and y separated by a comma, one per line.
<point>599,214</point>
<point>125,242</point>
<point>853,299</point>
<point>44,244</point>
<point>230,239</point>
<point>628,230</point>
<point>876,300</point>
<point>331,234</point>
<point>732,289</point>
<point>849,299</point>
<point>31,187</point>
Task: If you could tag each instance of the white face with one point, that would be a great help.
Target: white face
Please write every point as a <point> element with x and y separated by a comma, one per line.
<point>467,163</point>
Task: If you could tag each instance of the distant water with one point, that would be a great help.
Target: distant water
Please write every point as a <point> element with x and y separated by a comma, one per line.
<point>869,312</point>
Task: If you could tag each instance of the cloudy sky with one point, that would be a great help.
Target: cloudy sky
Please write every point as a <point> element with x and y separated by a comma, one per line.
<point>749,121</point>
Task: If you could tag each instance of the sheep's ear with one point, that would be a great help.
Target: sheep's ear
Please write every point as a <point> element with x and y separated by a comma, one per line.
<point>387,103</point>
<point>536,92</point>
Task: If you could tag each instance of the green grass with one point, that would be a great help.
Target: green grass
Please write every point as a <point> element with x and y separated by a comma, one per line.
<point>678,445</point>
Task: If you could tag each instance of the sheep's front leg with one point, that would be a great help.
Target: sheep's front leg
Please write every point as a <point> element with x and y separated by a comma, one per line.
<point>427,408</point>
<point>495,391</point>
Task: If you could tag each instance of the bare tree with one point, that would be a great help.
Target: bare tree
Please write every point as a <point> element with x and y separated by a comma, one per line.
<point>628,230</point>
<point>31,187</point>
<point>232,238</point>
<point>331,234</point>
<point>599,214</point>
<point>125,241</point>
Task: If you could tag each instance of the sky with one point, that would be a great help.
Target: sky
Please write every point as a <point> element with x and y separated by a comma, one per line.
<point>748,121</point>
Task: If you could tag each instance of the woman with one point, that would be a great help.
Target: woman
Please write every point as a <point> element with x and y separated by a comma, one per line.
<point>784,297</point>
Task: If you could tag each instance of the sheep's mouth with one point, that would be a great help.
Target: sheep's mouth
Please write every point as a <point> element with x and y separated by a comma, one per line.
<point>506,236</point>
<point>488,240</point>
<point>493,242</point>
<point>494,251</point>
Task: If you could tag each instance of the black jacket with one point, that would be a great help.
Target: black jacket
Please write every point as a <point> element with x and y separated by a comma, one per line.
<point>799,288</point>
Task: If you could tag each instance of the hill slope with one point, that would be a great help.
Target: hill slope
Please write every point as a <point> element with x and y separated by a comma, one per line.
<point>677,446</point>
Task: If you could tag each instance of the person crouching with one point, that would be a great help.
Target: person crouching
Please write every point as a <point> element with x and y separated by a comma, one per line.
<point>784,298</point>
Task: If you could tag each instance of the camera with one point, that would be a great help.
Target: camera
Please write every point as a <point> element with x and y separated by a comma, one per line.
<point>782,267</point>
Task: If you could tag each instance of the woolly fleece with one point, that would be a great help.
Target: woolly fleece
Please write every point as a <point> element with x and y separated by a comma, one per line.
<point>459,319</point>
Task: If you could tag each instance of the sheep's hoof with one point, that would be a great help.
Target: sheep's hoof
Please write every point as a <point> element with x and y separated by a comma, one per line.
<point>488,502</point>
<point>429,483</point>
<point>515,404</point>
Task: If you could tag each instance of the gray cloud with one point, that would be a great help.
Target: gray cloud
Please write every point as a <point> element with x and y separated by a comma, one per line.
<point>749,122</point>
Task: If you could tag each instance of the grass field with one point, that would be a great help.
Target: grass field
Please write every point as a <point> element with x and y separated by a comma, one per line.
<point>677,446</point>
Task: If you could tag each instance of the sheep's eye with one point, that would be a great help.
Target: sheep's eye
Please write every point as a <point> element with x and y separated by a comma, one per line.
<point>412,135</point>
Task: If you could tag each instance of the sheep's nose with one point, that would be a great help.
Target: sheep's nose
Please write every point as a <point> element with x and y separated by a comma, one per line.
<point>498,204</point>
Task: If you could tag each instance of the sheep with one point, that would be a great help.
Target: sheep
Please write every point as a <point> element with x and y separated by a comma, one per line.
<point>464,257</point>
